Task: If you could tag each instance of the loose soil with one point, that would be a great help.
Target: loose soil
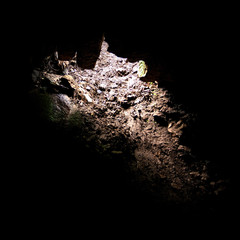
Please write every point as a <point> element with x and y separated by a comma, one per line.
<point>117,139</point>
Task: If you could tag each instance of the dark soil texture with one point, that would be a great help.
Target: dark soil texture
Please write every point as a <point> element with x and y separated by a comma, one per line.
<point>121,144</point>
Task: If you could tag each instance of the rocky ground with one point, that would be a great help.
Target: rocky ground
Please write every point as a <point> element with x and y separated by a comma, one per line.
<point>122,137</point>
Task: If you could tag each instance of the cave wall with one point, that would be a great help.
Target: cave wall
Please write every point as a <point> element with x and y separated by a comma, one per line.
<point>194,44</point>
<point>196,52</point>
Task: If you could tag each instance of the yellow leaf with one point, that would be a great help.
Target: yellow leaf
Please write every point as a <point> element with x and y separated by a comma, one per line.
<point>142,69</point>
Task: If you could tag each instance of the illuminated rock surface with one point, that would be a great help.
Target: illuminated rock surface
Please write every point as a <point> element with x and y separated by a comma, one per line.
<point>118,139</point>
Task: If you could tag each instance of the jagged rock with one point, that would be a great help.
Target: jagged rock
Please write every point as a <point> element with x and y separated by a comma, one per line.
<point>109,109</point>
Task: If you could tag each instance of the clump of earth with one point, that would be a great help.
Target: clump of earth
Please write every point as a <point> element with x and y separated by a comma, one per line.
<point>142,135</point>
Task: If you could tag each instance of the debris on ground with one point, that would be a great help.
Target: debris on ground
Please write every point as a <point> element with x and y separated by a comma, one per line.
<point>117,114</point>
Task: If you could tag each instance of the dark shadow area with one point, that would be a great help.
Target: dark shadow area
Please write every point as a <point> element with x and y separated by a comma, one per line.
<point>86,44</point>
<point>63,173</point>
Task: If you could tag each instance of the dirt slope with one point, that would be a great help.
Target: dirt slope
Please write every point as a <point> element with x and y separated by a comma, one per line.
<point>143,138</point>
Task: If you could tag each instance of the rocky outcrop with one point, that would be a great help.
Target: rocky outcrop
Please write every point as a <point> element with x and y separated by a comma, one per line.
<point>113,112</point>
